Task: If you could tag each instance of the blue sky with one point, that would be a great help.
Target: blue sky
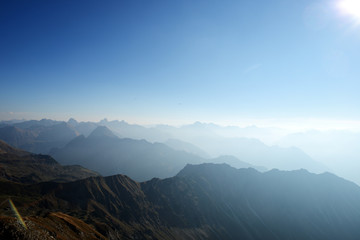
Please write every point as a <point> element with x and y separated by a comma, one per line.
<point>179,61</point>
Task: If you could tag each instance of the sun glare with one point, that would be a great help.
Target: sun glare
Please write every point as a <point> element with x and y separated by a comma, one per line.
<point>350,7</point>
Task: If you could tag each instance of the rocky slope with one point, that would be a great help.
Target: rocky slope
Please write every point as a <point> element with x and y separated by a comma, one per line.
<point>207,201</point>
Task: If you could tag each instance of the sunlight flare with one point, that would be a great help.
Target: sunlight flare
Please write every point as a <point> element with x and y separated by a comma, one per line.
<point>350,7</point>
<point>17,214</point>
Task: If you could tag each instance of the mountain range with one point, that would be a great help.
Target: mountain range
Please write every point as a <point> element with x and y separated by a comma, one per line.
<point>104,152</point>
<point>38,136</point>
<point>162,193</point>
<point>20,166</point>
<point>107,154</point>
<point>204,140</point>
<point>206,201</point>
<point>338,148</point>
<point>211,141</point>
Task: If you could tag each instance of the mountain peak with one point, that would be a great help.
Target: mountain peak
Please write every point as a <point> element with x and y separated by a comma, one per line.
<point>72,122</point>
<point>216,172</point>
<point>104,121</point>
<point>102,131</point>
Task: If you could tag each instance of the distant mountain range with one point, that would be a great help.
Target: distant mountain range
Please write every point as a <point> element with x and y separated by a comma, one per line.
<point>24,167</point>
<point>211,141</point>
<point>338,148</point>
<point>207,201</point>
<point>38,136</point>
<point>257,153</point>
<point>204,140</point>
<point>192,200</point>
<point>107,154</point>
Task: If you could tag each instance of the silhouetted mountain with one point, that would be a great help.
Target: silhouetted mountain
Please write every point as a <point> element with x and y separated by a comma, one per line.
<point>57,132</point>
<point>216,141</point>
<point>10,122</point>
<point>107,154</point>
<point>84,128</point>
<point>103,152</point>
<point>134,131</point>
<point>207,201</point>
<point>41,136</point>
<point>36,123</point>
<point>73,122</point>
<point>15,136</point>
<point>102,132</point>
<point>338,148</point>
<point>38,136</point>
<point>20,166</point>
<point>257,153</point>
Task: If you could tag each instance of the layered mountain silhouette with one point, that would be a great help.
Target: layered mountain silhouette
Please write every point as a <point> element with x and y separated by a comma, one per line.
<point>24,167</point>
<point>107,154</point>
<point>36,123</point>
<point>135,131</point>
<point>38,136</point>
<point>204,140</point>
<point>257,153</point>
<point>338,148</point>
<point>210,141</point>
<point>192,200</point>
<point>83,128</point>
<point>102,132</point>
<point>207,201</point>
<point>104,152</point>
<point>16,137</point>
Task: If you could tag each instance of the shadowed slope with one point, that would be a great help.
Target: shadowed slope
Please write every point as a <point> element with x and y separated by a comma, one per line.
<point>207,201</point>
<point>20,166</point>
<point>38,136</point>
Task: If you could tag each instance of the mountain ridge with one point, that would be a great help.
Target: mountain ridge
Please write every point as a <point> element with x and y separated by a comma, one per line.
<point>108,154</point>
<point>206,201</point>
<point>24,167</point>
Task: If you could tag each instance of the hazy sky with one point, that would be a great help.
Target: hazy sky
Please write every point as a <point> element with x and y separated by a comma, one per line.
<point>180,61</point>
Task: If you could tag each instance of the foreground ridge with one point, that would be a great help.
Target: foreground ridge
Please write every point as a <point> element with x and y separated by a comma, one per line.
<point>206,201</point>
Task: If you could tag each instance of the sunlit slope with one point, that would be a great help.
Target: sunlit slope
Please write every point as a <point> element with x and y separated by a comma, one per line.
<point>52,226</point>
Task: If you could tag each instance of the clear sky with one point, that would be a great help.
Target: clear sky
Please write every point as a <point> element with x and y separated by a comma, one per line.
<point>180,61</point>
